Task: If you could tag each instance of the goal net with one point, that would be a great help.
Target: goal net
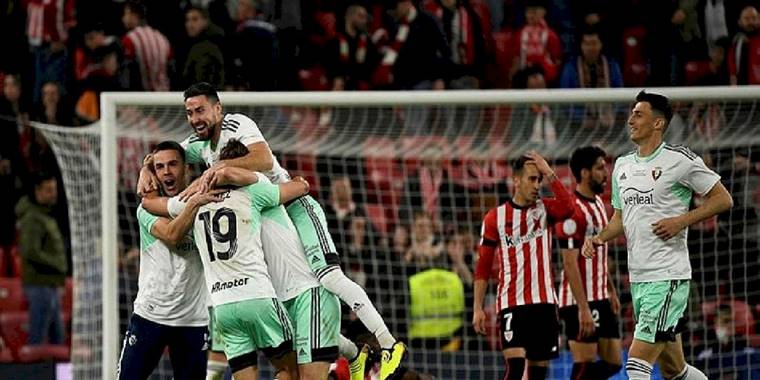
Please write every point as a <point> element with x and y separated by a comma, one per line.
<point>405,178</point>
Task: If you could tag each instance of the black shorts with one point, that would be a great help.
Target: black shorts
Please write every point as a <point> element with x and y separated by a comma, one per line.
<point>606,322</point>
<point>532,327</point>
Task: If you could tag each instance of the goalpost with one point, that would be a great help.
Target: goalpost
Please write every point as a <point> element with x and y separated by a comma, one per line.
<point>377,139</point>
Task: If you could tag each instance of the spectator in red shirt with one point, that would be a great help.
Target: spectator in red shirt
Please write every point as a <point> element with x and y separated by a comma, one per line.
<point>536,44</point>
<point>147,52</point>
<point>47,29</point>
<point>744,55</point>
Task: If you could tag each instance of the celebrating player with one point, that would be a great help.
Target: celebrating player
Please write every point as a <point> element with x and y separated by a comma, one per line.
<point>518,233</point>
<point>587,298</point>
<point>652,188</point>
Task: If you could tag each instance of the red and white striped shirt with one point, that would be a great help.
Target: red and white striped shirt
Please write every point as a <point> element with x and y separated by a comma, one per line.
<point>520,238</point>
<point>152,52</point>
<point>49,20</point>
<point>589,218</point>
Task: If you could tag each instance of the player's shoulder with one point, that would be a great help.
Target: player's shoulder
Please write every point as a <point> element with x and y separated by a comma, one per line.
<point>235,120</point>
<point>191,140</point>
<point>679,151</point>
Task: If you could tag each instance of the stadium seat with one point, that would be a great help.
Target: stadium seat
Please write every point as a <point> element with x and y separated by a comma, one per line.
<point>43,352</point>
<point>12,295</point>
<point>14,329</point>
<point>6,355</point>
<point>67,299</point>
<point>498,70</point>
<point>634,59</point>
<point>15,263</point>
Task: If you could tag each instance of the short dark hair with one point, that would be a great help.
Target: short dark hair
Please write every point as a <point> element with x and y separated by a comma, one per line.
<point>137,7</point>
<point>659,103</point>
<point>42,176</point>
<point>584,158</point>
<point>199,9</point>
<point>519,164</point>
<point>202,88</point>
<point>171,145</point>
<point>589,31</point>
<point>233,149</point>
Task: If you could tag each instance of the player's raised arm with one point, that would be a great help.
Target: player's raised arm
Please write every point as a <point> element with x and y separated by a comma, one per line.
<point>296,188</point>
<point>561,207</point>
<point>171,231</point>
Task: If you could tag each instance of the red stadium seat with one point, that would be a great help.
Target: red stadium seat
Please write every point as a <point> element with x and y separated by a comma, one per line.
<point>12,295</point>
<point>14,329</point>
<point>15,263</point>
<point>67,299</point>
<point>44,352</point>
<point>634,59</point>
<point>6,355</point>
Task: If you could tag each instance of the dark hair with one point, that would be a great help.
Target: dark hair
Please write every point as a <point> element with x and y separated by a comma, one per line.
<point>39,177</point>
<point>202,88</point>
<point>589,31</point>
<point>233,149</point>
<point>659,103</point>
<point>199,9</point>
<point>171,145</point>
<point>725,308</point>
<point>519,164</point>
<point>584,158</point>
<point>137,7</point>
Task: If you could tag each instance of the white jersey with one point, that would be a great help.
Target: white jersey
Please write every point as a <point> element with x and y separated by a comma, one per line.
<point>283,252</point>
<point>234,126</point>
<point>228,234</point>
<point>648,189</point>
<point>171,290</point>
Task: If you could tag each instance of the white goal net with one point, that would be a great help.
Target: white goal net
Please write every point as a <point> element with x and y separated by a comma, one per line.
<point>406,178</point>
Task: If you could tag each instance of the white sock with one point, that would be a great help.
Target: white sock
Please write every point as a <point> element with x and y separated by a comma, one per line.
<point>690,373</point>
<point>347,348</point>
<point>215,370</point>
<point>354,296</point>
<point>638,369</point>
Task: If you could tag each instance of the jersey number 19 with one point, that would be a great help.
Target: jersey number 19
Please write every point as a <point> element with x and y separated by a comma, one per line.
<point>214,236</point>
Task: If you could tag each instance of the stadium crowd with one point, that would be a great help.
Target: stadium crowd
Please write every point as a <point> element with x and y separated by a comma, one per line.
<point>66,53</point>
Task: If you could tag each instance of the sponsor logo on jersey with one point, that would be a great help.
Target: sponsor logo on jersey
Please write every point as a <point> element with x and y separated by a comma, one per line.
<point>224,285</point>
<point>638,197</point>
<point>656,173</point>
<point>519,239</point>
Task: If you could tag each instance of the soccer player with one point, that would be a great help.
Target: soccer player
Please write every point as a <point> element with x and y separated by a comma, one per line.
<point>212,131</point>
<point>519,234</point>
<point>652,188</point>
<point>588,301</point>
<point>247,313</point>
<point>170,308</point>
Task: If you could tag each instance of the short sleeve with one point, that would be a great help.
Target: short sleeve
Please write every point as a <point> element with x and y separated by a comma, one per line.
<point>245,129</point>
<point>193,148</point>
<point>615,192</point>
<point>571,231</point>
<point>264,193</point>
<point>175,206</point>
<point>489,232</point>
<point>146,221</point>
<point>699,177</point>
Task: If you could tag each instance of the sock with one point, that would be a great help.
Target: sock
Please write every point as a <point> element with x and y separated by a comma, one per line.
<point>582,371</point>
<point>515,369</point>
<point>638,369</point>
<point>347,348</point>
<point>354,296</point>
<point>537,372</point>
<point>215,370</point>
<point>604,370</point>
<point>690,373</point>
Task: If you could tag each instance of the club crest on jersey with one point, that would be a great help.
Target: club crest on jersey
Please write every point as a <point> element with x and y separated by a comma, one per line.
<point>656,173</point>
<point>535,214</point>
<point>508,335</point>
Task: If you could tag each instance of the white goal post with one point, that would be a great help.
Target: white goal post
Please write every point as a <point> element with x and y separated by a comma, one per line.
<point>111,102</point>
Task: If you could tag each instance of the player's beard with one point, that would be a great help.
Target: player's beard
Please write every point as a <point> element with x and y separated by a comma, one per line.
<point>597,187</point>
<point>208,131</point>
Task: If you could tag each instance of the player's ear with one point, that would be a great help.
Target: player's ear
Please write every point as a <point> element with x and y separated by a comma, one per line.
<point>659,124</point>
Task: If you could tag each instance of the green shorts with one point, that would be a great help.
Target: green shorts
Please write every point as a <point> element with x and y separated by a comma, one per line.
<point>316,320</point>
<point>217,344</point>
<point>309,218</point>
<point>251,325</point>
<point>658,308</point>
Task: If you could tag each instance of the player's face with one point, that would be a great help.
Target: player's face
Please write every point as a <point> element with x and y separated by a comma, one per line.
<point>170,170</point>
<point>203,116</point>
<point>641,123</point>
<point>598,177</point>
<point>528,183</point>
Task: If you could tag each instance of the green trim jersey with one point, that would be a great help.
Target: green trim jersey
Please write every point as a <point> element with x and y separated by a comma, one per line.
<point>171,290</point>
<point>228,234</point>
<point>234,126</point>
<point>649,189</point>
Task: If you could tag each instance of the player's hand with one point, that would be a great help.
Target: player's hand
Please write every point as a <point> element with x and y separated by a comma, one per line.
<point>668,227</point>
<point>191,190</point>
<point>589,247</point>
<point>585,322</point>
<point>479,321</point>
<point>214,195</point>
<point>541,164</point>
<point>147,182</point>
<point>615,303</point>
<point>303,181</point>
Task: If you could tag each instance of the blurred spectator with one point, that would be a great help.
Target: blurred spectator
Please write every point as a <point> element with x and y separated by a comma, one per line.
<point>592,69</point>
<point>96,68</point>
<point>254,50</point>
<point>664,44</point>
<point>285,16</point>
<point>51,110</point>
<point>429,189</point>
<point>204,61</point>
<point>724,353</point>
<point>12,116</point>
<point>341,207</point>
<point>537,118</point>
<point>463,31</point>
<point>539,45</point>
<point>436,310</point>
<point>48,24</point>
<point>147,52</point>
<point>604,17</point>
<point>352,56</point>
<point>715,22</point>
<point>744,54</point>
<point>426,248</point>
<point>460,252</point>
<point>12,23</point>
<point>44,260</point>
<point>712,72</point>
<point>417,54</point>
